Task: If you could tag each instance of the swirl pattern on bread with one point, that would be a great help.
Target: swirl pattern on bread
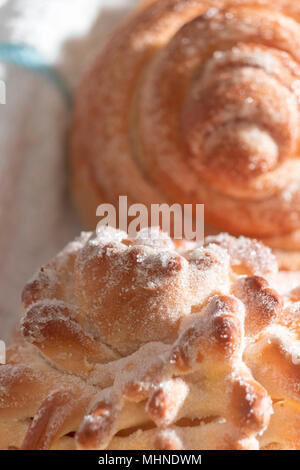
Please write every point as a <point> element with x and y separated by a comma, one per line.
<point>197,102</point>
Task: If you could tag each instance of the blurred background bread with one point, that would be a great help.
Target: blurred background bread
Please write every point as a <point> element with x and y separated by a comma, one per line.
<point>197,102</point>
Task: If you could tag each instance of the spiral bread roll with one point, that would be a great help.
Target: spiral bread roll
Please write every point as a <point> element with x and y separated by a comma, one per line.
<point>143,344</point>
<point>198,102</point>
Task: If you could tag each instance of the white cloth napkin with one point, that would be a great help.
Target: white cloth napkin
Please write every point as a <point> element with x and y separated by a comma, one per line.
<point>36,216</point>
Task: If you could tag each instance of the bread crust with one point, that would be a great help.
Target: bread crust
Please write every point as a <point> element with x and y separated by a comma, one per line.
<point>197,102</point>
<point>140,344</point>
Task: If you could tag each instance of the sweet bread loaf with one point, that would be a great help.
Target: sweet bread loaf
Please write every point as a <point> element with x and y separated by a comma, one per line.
<point>197,101</point>
<point>144,344</point>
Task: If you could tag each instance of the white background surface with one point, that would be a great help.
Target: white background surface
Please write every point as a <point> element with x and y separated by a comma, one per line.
<point>36,216</point>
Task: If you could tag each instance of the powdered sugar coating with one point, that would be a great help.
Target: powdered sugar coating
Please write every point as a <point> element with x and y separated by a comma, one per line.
<point>154,237</point>
<point>208,111</point>
<point>145,275</point>
<point>250,254</point>
<point>144,336</point>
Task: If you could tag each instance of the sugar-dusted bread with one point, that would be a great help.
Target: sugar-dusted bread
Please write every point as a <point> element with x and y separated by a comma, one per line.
<point>197,101</point>
<point>144,344</point>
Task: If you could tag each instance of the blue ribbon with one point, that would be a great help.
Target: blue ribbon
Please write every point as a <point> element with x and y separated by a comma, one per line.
<point>29,58</point>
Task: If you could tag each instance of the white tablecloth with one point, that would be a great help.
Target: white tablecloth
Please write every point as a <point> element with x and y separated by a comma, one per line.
<point>36,216</point>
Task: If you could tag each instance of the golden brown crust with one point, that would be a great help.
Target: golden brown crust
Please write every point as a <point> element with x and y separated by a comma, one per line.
<point>263,304</point>
<point>207,374</point>
<point>32,399</point>
<point>55,414</point>
<point>197,101</point>
<point>129,277</point>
